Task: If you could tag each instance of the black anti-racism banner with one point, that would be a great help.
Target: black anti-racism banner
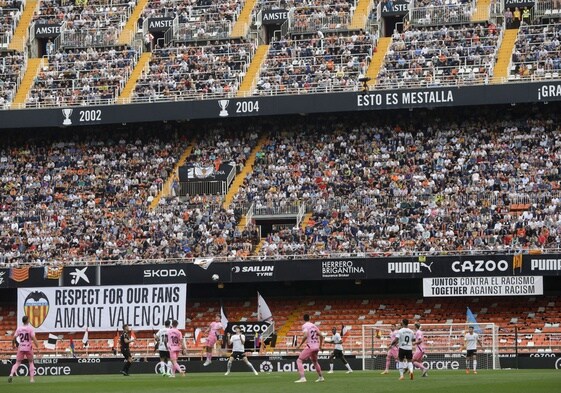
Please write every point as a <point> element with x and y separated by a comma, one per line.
<point>274,17</point>
<point>197,173</point>
<point>351,268</point>
<point>395,8</point>
<point>160,24</point>
<point>47,30</point>
<point>520,4</point>
<point>513,93</point>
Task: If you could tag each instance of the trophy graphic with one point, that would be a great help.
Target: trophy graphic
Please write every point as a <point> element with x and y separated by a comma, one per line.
<point>67,112</point>
<point>223,105</point>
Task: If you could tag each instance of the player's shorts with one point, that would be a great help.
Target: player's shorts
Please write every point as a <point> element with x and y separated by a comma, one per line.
<point>392,352</point>
<point>418,355</point>
<point>238,355</point>
<point>405,354</point>
<point>164,354</point>
<point>471,352</point>
<point>24,355</point>
<point>211,340</point>
<point>308,352</point>
<point>126,353</point>
<point>337,354</point>
<point>173,355</point>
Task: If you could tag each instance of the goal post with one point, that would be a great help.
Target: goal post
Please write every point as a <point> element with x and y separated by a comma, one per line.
<point>444,346</point>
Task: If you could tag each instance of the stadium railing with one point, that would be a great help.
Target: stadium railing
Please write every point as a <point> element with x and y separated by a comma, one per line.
<point>442,15</point>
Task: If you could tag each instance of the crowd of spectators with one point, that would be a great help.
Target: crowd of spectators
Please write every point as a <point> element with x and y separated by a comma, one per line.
<point>82,77</point>
<point>445,55</point>
<point>319,63</point>
<point>310,16</point>
<point>10,12</point>
<point>86,22</point>
<point>444,187</point>
<point>83,197</point>
<point>537,52</point>
<point>11,70</point>
<point>194,71</point>
<point>198,19</point>
<point>372,187</point>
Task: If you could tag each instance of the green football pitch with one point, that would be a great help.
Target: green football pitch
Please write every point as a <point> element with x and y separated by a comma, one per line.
<point>507,381</point>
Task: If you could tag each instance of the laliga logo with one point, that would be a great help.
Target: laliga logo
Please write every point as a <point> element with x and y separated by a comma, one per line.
<point>22,371</point>
<point>36,307</point>
<point>266,367</point>
<point>558,364</point>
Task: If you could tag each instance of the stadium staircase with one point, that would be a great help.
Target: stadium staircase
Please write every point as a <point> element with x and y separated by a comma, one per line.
<point>360,15</point>
<point>378,60</point>
<point>294,317</point>
<point>258,247</point>
<point>31,71</point>
<point>252,72</point>
<point>20,35</point>
<point>126,93</point>
<point>305,221</point>
<point>248,168</point>
<point>482,11</point>
<point>126,36</point>
<point>241,27</point>
<point>166,188</point>
<point>501,69</point>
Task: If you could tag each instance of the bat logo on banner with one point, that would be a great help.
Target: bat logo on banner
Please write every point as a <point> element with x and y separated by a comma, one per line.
<point>36,307</point>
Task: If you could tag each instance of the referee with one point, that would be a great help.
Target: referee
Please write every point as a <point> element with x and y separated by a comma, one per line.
<point>125,341</point>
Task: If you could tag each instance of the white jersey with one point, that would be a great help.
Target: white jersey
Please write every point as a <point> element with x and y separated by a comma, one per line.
<point>162,339</point>
<point>471,341</point>
<point>237,341</point>
<point>405,338</point>
<point>336,339</point>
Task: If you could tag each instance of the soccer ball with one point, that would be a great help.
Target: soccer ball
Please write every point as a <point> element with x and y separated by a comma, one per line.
<point>215,277</point>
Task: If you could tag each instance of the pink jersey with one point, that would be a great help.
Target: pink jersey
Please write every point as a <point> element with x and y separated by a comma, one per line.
<point>25,335</point>
<point>214,328</point>
<point>420,340</point>
<point>393,336</point>
<point>312,334</point>
<point>174,339</point>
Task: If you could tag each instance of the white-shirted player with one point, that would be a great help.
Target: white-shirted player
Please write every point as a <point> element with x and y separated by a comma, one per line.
<point>471,339</point>
<point>237,340</point>
<point>404,340</point>
<point>162,345</point>
<point>337,352</point>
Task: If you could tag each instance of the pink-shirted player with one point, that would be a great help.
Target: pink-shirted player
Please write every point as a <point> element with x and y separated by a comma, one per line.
<point>392,351</point>
<point>175,346</point>
<point>213,332</point>
<point>314,342</point>
<point>25,335</point>
<point>419,349</point>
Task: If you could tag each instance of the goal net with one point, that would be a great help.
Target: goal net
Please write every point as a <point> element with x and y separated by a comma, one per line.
<point>444,346</point>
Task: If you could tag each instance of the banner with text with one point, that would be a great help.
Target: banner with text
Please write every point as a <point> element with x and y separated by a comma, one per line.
<point>103,308</point>
<point>483,286</point>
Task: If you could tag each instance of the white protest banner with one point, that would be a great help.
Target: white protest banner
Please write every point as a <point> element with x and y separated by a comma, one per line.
<point>483,286</point>
<point>102,308</point>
